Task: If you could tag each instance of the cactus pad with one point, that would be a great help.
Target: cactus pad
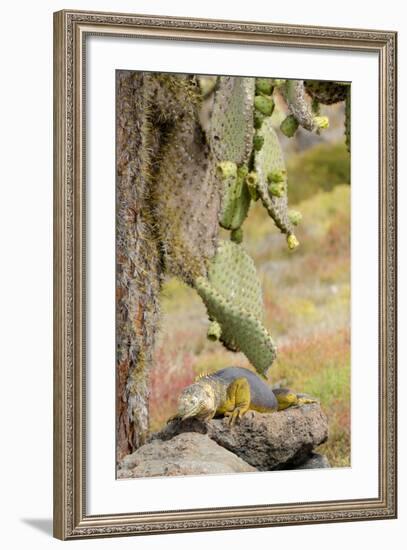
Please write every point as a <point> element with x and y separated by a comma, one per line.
<point>236,197</point>
<point>294,93</point>
<point>231,129</point>
<point>289,126</point>
<point>233,298</point>
<point>264,86</point>
<point>269,162</point>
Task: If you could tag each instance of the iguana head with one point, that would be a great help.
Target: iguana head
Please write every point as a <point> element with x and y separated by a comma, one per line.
<point>196,400</point>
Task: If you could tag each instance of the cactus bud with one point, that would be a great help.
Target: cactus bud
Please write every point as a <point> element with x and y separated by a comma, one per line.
<point>289,126</point>
<point>242,172</point>
<point>264,86</point>
<point>292,241</point>
<point>258,142</point>
<point>226,169</point>
<point>264,104</point>
<point>236,235</point>
<point>207,84</point>
<point>294,216</point>
<point>321,122</point>
<point>277,189</point>
<point>251,179</point>
<point>214,331</point>
<point>278,176</point>
<point>258,119</point>
<point>251,182</point>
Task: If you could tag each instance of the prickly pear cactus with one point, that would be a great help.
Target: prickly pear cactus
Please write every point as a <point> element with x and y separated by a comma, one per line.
<point>233,297</point>
<point>326,92</point>
<point>193,152</point>
<point>236,196</point>
<point>186,197</point>
<point>294,93</point>
<point>329,93</point>
<point>230,138</point>
<point>272,181</point>
<point>347,119</point>
<point>231,131</point>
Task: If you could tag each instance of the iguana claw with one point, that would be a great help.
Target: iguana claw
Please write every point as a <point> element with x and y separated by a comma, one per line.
<point>232,417</point>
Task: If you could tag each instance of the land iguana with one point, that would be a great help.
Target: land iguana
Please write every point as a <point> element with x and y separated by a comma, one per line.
<point>231,392</point>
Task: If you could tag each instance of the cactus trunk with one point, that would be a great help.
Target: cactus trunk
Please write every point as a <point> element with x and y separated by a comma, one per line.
<point>137,254</point>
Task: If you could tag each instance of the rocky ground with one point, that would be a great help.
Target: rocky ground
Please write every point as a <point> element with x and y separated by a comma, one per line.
<point>260,442</point>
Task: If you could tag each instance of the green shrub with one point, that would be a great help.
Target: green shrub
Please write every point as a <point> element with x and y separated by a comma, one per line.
<point>320,168</point>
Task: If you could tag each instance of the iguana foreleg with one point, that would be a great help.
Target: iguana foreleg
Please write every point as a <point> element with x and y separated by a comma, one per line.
<point>237,400</point>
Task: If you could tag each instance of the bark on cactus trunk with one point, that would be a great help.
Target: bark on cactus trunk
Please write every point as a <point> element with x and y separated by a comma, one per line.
<point>138,265</point>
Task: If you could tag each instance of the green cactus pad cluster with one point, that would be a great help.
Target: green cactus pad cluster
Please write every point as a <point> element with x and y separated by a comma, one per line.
<point>270,168</point>
<point>233,298</point>
<point>263,107</point>
<point>231,129</point>
<point>326,92</point>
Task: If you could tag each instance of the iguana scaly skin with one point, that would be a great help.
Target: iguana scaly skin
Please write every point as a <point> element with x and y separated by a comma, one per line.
<point>231,392</point>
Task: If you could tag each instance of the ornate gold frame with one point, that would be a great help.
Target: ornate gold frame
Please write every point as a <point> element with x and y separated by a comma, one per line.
<point>70,518</point>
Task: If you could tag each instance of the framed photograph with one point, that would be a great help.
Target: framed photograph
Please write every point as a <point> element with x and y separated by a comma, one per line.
<point>225,274</point>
